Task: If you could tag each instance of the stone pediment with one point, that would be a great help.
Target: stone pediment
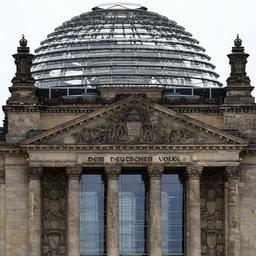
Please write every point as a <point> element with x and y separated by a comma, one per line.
<point>134,121</point>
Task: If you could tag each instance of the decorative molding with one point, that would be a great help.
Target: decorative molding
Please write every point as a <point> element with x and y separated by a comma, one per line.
<point>170,147</point>
<point>155,170</point>
<point>112,171</point>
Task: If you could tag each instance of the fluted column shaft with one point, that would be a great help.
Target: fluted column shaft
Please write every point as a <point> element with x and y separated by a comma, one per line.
<point>74,210</point>
<point>233,178</point>
<point>112,173</point>
<point>155,214</point>
<point>34,174</point>
<point>194,218</point>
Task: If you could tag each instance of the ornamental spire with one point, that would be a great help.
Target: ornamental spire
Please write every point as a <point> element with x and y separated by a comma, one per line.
<point>238,84</point>
<point>23,88</point>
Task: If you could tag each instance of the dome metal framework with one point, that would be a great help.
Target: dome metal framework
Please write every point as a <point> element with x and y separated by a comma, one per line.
<point>121,45</point>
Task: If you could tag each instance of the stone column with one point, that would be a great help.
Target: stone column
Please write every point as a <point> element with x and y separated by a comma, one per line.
<point>34,174</point>
<point>112,173</point>
<point>73,210</point>
<point>194,218</point>
<point>233,178</point>
<point>2,211</point>
<point>154,206</point>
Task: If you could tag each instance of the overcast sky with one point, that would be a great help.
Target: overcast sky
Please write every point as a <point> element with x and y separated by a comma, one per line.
<point>214,23</point>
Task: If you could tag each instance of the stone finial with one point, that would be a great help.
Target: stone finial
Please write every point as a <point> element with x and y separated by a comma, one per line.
<point>238,84</point>
<point>238,41</point>
<point>23,41</point>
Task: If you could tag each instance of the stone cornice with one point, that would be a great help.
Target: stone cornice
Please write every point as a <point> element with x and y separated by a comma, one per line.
<point>161,147</point>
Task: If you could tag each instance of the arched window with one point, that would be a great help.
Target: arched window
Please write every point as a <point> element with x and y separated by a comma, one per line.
<point>172,205</point>
<point>132,214</point>
<point>92,214</point>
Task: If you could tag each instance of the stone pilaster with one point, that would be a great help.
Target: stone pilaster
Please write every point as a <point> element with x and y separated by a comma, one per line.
<point>34,174</point>
<point>233,178</point>
<point>74,210</point>
<point>194,218</point>
<point>112,173</point>
<point>155,220</point>
<point>2,211</point>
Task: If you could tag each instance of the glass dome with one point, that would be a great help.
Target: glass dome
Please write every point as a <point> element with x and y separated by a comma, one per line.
<point>122,45</point>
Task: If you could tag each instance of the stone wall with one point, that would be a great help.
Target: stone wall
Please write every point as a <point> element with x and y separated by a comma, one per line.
<point>248,205</point>
<point>17,205</point>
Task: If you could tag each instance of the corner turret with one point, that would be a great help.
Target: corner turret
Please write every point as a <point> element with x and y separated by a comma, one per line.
<point>238,84</point>
<point>23,88</point>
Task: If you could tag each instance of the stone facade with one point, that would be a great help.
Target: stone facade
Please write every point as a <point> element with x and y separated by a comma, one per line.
<point>47,147</point>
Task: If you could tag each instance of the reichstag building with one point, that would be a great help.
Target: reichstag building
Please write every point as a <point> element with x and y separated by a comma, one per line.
<point>119,140</point>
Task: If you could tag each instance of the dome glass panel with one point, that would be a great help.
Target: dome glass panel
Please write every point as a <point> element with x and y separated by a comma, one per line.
<point>122,45</point>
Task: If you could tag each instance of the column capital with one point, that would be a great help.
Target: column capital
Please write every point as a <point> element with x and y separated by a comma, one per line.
<point>35,173</point>
<point>73,171</point>
<point>233,172</point>
<point>194,171</point>
<point>155,170</point>
<point>2,176</point>
<point>112,171</point>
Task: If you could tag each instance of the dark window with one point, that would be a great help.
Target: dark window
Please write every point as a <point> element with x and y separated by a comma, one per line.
<point>172,204</point>
<point>132,212</point>
<point>92,215</point>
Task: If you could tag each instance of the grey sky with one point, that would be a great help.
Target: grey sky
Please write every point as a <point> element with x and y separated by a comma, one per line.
<point>214,23</point>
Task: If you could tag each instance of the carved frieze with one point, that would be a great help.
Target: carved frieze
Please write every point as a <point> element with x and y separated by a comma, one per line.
<point>134,123</point>
<point>54,214</point>
<point>212,213</point>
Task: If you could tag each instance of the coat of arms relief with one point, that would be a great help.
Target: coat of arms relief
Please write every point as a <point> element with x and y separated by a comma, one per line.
<point>134,123</point>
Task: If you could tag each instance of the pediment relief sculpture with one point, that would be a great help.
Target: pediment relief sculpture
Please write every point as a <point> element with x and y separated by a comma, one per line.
<point>136,124</point>
<point>133,121</point>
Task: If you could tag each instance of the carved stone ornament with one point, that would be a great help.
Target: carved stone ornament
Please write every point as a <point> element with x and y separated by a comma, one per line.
<point>35,172</point>
<point>112,171</point>
<point>212,213</point>
<point>134,123</point>
<point>194,171</point>
<point>155,170</point>
<point>74,171</point>
<point>2,176</point>
<point>233,172</point>
<point>54,214</point>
